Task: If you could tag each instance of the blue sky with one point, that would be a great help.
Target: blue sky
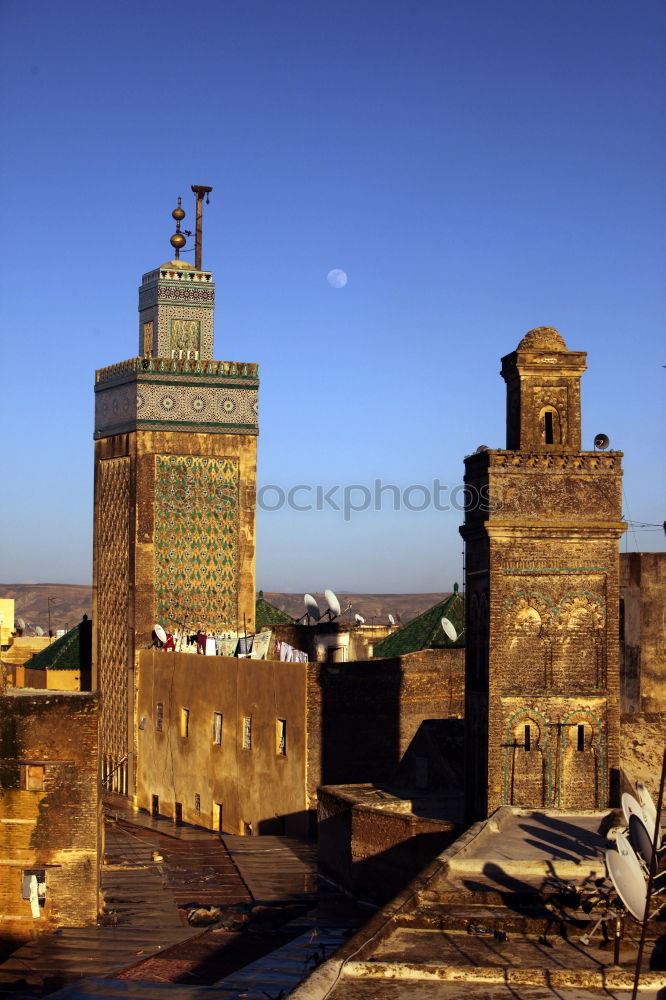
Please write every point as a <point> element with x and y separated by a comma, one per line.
<point>477,169</point>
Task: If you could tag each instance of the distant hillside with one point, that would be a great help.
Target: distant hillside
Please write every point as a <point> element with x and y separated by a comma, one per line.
<point>72,601</point>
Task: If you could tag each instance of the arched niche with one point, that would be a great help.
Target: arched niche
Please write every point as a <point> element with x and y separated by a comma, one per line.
<point>527,777</point>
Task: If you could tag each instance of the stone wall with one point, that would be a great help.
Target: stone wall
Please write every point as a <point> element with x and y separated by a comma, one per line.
<point>373,847</point>
<point>643,635</point>
<point>50,813</point>
<point>363,715</point>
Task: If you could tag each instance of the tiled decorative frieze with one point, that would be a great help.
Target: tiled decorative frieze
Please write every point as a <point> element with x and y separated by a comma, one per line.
<point>143,403</point>
<point>196,542</point>
<point>179,366</point>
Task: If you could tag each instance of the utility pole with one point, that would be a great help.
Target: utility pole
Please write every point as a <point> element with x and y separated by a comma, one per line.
<point>199,191</point>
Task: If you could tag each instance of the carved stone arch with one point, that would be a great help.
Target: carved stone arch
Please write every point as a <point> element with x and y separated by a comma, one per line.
<point>527,626</point>
<point>579,658</point>
<point>550,425</point>
<point>581,766</point>
<point>527,760</point>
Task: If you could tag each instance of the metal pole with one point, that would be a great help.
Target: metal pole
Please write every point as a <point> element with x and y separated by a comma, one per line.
<point>199,191</point>
<point>646,915</point>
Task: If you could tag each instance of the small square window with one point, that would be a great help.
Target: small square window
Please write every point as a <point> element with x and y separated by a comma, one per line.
<point>184,722</point>
<point>197,804</point>
<point>39,874</point>
<point>247,732</point>
<point>217,728</point>
<point>159,717</point>
<point>32,777</point>
<point>281,737</point>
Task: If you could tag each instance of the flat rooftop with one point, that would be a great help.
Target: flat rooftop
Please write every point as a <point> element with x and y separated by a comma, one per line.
<point>503,912</point>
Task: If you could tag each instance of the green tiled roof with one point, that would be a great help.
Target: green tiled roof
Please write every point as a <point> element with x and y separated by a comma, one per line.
<point>63,654</point>
<point>266,613</point>
<point>425,631</point>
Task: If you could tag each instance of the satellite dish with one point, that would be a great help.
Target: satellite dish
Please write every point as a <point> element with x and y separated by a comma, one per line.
<point>627,877</point>
<point>640,840</point>
<point>601,442</point>
<point>333,603</point>
<point>391,619</point>
<point>160,633</point>
<point>360,620</point>
<point>449,629</point>
<point>644,797</point>
<point>20,623</point>
<point>631,807</point>
<point>312,607</point>
<point>482,447</point>
<point>39,630</point>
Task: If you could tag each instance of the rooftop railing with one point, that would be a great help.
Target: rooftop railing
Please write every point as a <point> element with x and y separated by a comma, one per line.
<point>178,366</point>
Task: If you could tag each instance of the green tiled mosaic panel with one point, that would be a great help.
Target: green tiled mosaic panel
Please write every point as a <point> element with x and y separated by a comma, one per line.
<point>196,542</point>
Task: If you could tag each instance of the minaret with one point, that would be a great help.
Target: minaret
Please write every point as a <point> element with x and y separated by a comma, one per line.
<point>175,483</point>
<point>542,533</point>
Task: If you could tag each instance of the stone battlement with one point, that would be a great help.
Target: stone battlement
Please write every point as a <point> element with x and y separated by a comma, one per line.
<point>178,366</point>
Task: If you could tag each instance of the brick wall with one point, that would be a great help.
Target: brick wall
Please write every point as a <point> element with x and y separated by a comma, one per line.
<point>55,828</point>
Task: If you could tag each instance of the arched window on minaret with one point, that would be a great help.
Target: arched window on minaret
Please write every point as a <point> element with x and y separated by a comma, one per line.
<point>549,420</point>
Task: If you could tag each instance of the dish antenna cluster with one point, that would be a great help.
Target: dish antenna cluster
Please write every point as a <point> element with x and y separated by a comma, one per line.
<point>639,850</point>
<point>312,608</point>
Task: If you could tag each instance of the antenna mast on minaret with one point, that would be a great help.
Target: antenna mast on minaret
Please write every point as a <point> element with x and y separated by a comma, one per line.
<point>199,191</point>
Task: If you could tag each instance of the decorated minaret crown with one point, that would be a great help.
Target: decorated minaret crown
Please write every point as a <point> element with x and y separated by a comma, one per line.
<point>177,300</point>
<point>543,393</point>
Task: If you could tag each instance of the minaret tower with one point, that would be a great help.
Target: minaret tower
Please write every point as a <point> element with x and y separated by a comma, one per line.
<point>175,482</point>
<point>542,533</point>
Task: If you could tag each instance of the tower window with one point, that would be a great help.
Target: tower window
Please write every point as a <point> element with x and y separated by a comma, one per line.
<point>159,717</point>
<point>581,737</point>
<point>528,738</point>
<point>197,804</point>
<point>184,722</point>
<point>548,426</point>
<point>281,737</point>
<point>217,728</point>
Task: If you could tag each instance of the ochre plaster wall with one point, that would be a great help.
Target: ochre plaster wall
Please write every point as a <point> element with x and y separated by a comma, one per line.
<point>643,588</point>
<point>256,786</point>
<point>57,828</point>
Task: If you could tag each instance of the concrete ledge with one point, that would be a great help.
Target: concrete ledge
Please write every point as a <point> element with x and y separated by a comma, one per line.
<point>605,979</point>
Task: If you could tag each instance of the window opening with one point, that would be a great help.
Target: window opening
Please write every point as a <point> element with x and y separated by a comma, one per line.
<point>159,717</point>
<point>197,804</point>
<point>178,814</point>
<point>32,777</point>
<point>281,737</point>
<point>247,829</point>
<point>247,732</point>
<point>217,728</point>
<point>155,806</point>
<point>217,816</point>
<point>581,737</point>
<point>184,722</point>
<point>528,739</point>
<point>33,888</point>
<point>548,426</point>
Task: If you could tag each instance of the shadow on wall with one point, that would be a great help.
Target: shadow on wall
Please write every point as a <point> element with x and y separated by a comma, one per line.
<point>301,824</point>
<point>359,721</point>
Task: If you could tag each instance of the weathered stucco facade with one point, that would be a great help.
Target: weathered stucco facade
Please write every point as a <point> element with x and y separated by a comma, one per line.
<point>175,482</point>
<point>50,811</point>
<point>243,745</point>
<point>542,588</point>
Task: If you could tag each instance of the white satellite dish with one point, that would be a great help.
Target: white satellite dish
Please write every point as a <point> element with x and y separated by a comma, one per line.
<point>360,620</point>
<point>391,619</point>
<point>645,800</point>
<point>312,607</point>
<point>39,630</point>
<point>631,807</point>
<point>449,629</point>
<point>627,877</point>
<point>20,623</point>
<point>333,603</point>
<point>160,633</point>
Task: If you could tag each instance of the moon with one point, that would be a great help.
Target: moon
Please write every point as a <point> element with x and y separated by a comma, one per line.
<point>337,278</point>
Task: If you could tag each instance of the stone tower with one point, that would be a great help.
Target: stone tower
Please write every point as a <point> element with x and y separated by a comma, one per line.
<point>175,481</point>
<point>542,531</point>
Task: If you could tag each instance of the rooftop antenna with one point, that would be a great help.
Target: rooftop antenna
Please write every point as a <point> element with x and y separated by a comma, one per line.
<point>199,191</point>
<point>20,624</point>
<point>626,875</point>
<point>359,619</point>
<point>391,620</point>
